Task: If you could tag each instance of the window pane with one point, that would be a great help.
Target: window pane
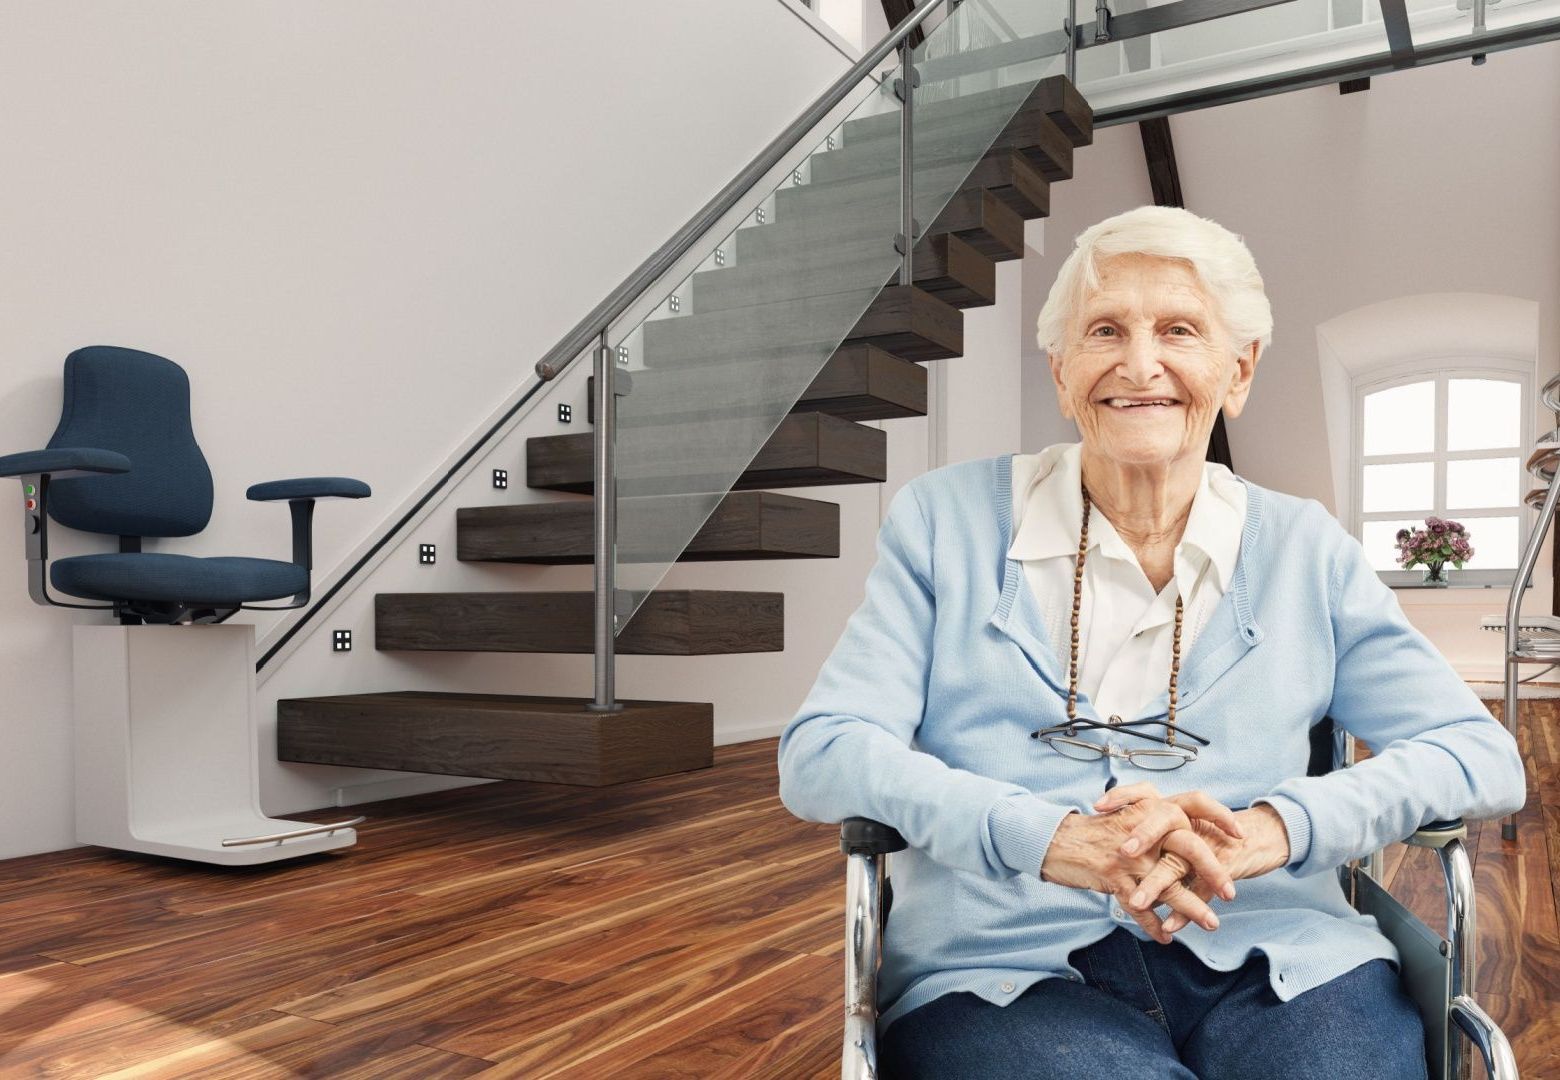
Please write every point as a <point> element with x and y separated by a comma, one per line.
<point>1494,541</point>
<point>1401,420</point>
<point>1409,486</point>
<point>1483,482</point>
<point>1380,543</point>
<point>1483,414</point>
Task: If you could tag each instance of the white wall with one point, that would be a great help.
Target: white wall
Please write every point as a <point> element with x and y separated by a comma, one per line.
<point>357,225</point>
<point>1437,179</point>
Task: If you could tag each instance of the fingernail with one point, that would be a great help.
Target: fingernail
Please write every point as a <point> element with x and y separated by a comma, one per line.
<point>1213,922</point>
<point>1137,900</point>
<point>1131,846</point>
<point>1102,802</point>
<point>1229,892</point>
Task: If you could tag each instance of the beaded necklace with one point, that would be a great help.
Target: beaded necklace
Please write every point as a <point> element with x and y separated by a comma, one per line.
<point>1072,663</point>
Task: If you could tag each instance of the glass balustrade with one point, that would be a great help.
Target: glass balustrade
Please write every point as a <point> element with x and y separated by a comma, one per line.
<point>719,366</point>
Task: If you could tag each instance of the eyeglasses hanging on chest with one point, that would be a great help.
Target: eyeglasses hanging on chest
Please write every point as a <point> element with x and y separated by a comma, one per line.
<point>1066,740</point>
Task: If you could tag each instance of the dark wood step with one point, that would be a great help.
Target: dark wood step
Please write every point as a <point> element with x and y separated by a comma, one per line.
<point>908,322</point>
<point>1066,108</point>
<point>987,209</point>
<point>1054,96</point>
<point>1029,131</point>
<point>945,266</point>
<point>554,740</point>
<point>669,622</point>
<point>1005,172</point>
<point>858,382</point>
<point>805,450</point>
<point>743,525</point>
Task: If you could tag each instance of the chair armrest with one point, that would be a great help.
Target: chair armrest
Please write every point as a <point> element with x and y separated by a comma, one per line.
<point>300,495</point>
<point>1437,834</point>
<point>863,836</point>
<point>63,462</point>
<point>309,487</point>
<point>37,469</point>
<point>1499,1061</point>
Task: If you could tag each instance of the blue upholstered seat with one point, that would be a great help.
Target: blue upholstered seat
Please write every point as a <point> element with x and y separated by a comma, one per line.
<point>123,461</point>
<point>177,578</point>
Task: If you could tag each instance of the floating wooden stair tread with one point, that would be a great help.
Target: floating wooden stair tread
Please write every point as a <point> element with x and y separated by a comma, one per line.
<point>902,319</point>
<point>1053,97</point>
<point>806,450</point>
<point>858,382</point>
<point>554,740</point>
<point>744,525</point>
<point>1004,170</point>
<point>945,266</point>
<point>818,222</point>
<point>669,622</point>
<point>1029,130</point>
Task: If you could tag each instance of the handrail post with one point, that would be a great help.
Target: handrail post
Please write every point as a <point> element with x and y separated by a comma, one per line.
<point>1069,27</point>
<point>605,522</point>
<point>904,88</point>
<point>1508,825</point>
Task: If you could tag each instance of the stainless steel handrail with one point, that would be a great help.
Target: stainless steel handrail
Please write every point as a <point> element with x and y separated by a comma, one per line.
<point>1546,513</point>
<point>591,327</point>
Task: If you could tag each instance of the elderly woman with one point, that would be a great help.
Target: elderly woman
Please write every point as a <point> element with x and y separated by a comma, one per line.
<point>1081,685</point>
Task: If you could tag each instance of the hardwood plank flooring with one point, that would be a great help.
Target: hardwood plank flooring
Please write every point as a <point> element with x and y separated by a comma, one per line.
<point>684,926</point>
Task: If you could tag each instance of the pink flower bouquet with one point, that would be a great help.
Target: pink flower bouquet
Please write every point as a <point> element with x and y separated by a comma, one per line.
<point>1440,542</point>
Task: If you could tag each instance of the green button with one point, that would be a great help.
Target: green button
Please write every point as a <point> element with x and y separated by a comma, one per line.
<point>29,489</point>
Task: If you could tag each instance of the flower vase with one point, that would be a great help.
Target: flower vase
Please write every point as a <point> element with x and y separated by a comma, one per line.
<point>1436,575</point>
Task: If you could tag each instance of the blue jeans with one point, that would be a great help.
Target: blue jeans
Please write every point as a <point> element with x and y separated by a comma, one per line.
<point>1150,1010</point>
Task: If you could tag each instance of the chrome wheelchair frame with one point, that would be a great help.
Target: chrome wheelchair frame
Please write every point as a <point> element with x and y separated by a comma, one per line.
<point>1437,971</point>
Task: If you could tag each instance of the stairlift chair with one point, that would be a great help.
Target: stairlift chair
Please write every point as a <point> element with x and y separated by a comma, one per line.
<point>165,737</point>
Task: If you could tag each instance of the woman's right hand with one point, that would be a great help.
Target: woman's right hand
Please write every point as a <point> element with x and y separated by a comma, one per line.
<point>1085,853</point>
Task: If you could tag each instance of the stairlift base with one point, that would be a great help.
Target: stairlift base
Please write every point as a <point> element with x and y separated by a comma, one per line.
<point>165,747</point>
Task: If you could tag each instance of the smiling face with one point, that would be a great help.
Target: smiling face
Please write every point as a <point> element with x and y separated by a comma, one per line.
<point>1146,364</point>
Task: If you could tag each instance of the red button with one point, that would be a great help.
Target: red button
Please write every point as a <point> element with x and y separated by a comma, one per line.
<point>32,504</point>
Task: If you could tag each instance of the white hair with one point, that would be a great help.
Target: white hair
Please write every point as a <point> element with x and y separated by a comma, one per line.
<point>1220,259</point>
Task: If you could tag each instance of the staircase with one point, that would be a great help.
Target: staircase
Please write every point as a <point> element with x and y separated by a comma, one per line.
<point>743,320</point>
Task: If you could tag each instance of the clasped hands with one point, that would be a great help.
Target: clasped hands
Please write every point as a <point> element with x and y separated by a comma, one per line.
<point>1181,850</point>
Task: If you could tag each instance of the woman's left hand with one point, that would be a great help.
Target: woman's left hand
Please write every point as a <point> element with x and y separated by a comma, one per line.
<point>1248,842</point>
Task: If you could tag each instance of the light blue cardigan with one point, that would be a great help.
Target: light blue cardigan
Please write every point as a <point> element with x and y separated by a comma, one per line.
<point>921,716</point>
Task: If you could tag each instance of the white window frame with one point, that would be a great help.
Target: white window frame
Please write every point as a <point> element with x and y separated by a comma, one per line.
<point>1440,374</point>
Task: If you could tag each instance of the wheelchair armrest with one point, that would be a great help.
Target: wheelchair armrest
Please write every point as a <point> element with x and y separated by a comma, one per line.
<point>300,495</point>
<point>863,836</point>
<point>63,462</point>
<point>309,487</point>
<point>1437,834</point>
<point>1499,1061</point>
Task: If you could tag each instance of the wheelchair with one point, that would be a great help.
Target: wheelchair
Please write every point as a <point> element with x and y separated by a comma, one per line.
<point>163,708</point>
<point>1437,971</point>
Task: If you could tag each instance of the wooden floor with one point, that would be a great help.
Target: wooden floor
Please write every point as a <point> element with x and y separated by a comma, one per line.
<point>680,927</point>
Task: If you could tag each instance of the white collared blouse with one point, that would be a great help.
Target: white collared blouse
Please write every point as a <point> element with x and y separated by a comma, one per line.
<point>1125,628</point>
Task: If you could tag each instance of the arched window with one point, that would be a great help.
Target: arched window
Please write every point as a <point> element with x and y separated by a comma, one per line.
<point>1429,402</point>
<point>1447,443</point>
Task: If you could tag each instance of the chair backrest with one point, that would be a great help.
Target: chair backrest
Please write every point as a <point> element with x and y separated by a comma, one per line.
<point>1322,759</point>
<point>138,404</point>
